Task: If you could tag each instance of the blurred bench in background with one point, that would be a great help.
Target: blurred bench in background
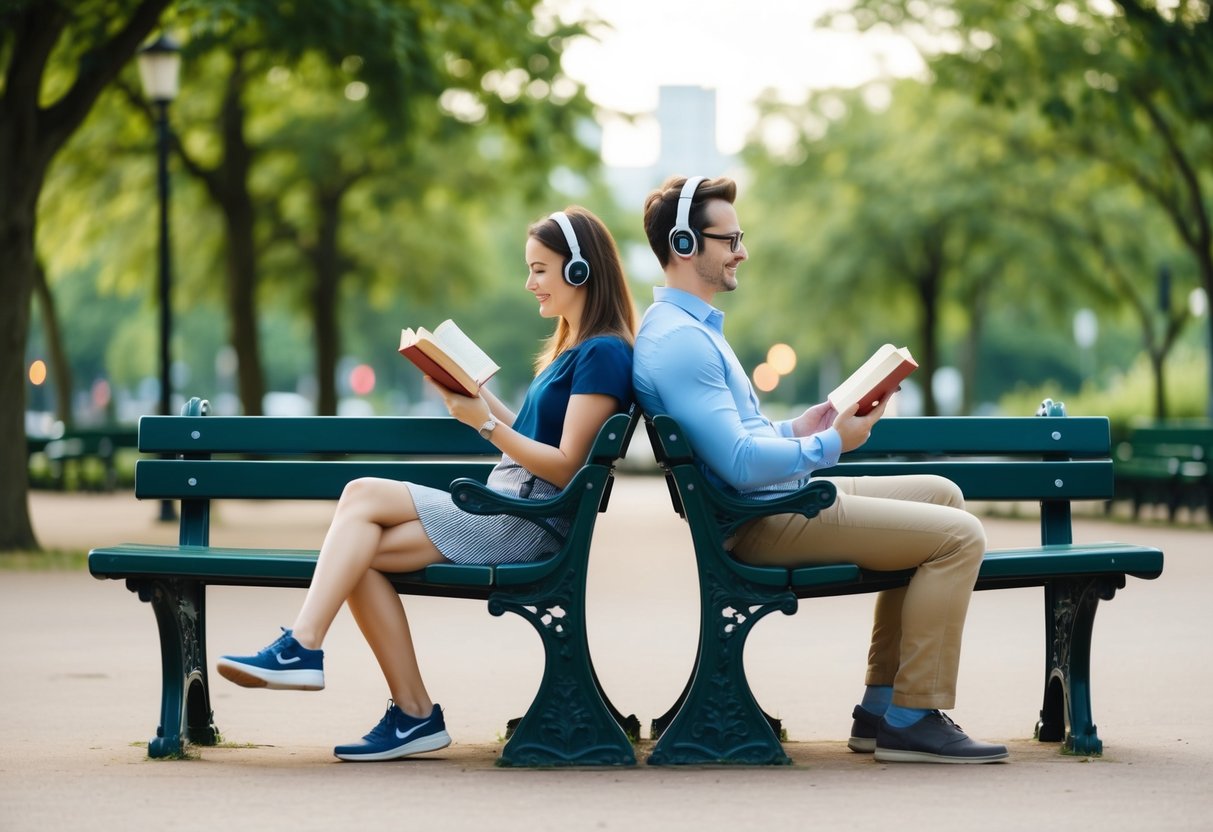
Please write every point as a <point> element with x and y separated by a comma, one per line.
<point>80,459</point>
<point>1167,464</point>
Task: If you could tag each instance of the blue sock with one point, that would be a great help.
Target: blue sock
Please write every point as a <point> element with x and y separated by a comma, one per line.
<point>899,717</point>
<point>877,698</point>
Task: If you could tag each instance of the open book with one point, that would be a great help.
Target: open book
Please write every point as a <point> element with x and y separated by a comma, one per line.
<point>448,357</point>
<point>873,382</point>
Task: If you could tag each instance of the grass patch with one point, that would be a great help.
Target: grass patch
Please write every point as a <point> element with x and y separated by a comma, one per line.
<point>48,560</point>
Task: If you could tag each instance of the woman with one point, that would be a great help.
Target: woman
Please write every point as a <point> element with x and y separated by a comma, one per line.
<point>583,376</point>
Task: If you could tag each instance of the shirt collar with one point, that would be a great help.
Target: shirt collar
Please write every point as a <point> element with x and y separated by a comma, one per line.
<point>695,306</point>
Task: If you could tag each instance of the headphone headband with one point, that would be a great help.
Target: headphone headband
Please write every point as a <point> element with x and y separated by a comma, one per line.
<point>682,237</point>
<point>576,270</point>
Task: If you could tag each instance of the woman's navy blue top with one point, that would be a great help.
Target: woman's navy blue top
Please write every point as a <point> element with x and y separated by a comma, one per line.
<point>602,364</point>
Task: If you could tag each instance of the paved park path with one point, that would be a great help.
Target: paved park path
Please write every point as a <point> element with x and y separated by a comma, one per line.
<point>79,691</point>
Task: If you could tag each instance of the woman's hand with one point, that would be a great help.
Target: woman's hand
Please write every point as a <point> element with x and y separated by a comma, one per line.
<point>472,411</point>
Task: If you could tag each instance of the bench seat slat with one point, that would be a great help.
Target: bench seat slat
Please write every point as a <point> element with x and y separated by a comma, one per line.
<point>1020,564</point>
<point>283,479</point>
<point>258,567</point>
<point>1001,479</point>
<point>399,435</point>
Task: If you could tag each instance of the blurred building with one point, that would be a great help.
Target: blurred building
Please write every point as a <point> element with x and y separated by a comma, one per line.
<point>686,121</point>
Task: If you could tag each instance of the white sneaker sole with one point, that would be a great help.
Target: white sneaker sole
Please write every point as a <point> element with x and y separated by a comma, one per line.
<point>255,677</point>
<point>432,742</point>
<point>893,755</point>
<point>862,745</point>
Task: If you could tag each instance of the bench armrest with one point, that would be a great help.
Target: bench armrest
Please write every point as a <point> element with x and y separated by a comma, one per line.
<point>475,497</point>
<point>732,511</point>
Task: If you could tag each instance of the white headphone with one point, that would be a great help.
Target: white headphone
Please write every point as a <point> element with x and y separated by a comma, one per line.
<point>577,270</point>
<point>682,237</point>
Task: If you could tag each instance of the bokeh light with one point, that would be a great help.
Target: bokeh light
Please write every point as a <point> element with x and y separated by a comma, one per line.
<point>362,380</point>
<point>782,359</point>
<point>37,372</point>
<point>766,378</point>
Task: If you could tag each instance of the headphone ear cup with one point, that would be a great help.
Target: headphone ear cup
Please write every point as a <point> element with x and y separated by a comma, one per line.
<point>682,242</point>
<point>576,272</point>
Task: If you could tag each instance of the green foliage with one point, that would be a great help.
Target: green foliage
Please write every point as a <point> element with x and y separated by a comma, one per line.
<point>1126,397</point>
<point>392,144</point>
<point>46,560</point>
<point>1123,87</point>
<point>899,213</point>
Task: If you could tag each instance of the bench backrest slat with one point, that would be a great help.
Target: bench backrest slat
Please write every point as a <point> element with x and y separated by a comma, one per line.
<point>207,479</point>
<point>1073,436</point>
<point>403,435</point>
<point>1002,479</point>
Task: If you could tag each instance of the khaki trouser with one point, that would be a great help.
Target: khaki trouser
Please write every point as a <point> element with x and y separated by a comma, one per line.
<point>887,524</point>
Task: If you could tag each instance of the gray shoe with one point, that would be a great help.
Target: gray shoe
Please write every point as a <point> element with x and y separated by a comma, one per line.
<point>933,739</point>
<point>863,730</point>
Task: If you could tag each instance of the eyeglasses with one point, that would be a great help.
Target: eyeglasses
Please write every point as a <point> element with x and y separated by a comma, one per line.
<point>734,239</point>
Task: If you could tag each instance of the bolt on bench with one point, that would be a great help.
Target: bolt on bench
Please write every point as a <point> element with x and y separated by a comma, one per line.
<point>570,721</point>
<point>1052,460</point>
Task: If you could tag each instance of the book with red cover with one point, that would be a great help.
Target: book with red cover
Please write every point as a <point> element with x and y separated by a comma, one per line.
<point>449,357</point>
<point>877,379</point>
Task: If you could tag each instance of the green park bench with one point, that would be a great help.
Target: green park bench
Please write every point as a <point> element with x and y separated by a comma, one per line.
<point>1052,460</point>
<point>570,721</point>
<point>1169,465</point>
<point>79,458</point>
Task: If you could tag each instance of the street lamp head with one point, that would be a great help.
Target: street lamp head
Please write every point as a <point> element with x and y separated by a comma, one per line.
<point>159,64</point>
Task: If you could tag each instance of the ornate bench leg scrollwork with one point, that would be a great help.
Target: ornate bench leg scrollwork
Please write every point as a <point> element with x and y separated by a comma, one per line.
<point>568,724</point>
<point>1065,715</point>
<point>719,721</point>
<point>185,705</point>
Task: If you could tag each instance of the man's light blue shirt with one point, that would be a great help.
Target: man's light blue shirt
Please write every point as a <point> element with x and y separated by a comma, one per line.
<point>684,367</point>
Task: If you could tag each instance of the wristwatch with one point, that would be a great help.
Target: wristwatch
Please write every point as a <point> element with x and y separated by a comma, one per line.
<point>486,430</point>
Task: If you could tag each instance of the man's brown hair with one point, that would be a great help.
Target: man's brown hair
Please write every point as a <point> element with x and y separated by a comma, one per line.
<point>661,210</point>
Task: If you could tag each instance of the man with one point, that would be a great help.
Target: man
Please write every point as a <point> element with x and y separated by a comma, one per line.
<point>685,367</point>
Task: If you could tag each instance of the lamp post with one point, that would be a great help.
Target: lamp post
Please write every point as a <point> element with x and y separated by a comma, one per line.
<point>159,66</point>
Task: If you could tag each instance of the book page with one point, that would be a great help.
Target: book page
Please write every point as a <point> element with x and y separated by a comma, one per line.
<point>464,350</point>
<point>876,378</point>
<point>431,358</point>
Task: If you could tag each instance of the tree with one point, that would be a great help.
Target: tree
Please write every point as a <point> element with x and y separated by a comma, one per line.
<point>1125,85</point>
<point>888,208</point>
<point>56,58</point>
<point>338,97</point>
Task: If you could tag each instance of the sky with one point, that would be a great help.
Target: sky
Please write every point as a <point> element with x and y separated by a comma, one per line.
<point>738,47</point>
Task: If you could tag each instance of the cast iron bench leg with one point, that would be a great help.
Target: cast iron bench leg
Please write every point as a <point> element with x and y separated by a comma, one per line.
<point>1065,715</point>
<point>568,723</point>
<point>719,720</point>
<point>185,705</point>
<point>659,724</point>
<point>630,724</point>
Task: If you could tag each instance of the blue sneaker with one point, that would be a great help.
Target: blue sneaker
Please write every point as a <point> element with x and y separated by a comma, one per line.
<point>284,665</point>
<point>398,735</point>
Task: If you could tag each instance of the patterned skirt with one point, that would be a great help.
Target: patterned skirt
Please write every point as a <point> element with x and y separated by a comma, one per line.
<point>489,539</point>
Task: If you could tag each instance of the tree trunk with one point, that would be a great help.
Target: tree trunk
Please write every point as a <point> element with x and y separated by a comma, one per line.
<point>242,300</point>
<point>60,366</point>
<point>232,194</point>
<point>30,136</point>
<point>927,283</point>
<point>1205,259</point>
<point>1158,364</point>
<point>326,262</point>
<point>16,285</point>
